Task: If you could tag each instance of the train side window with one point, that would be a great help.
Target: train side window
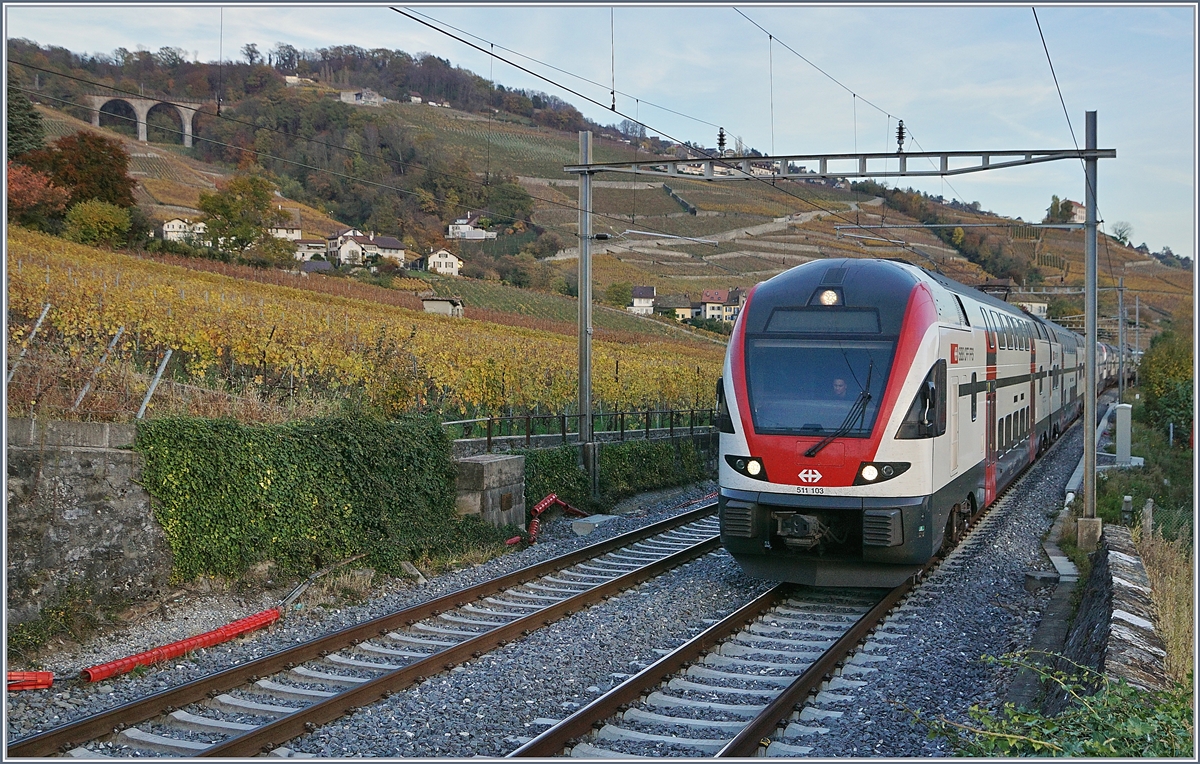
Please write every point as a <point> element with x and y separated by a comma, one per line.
<point>1041,379</point>
<point>974,397</point>
<point>1008,432</point>
<point>987,329</point>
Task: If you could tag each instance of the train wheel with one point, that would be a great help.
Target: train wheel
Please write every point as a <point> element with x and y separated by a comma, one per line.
<point>956,523</point>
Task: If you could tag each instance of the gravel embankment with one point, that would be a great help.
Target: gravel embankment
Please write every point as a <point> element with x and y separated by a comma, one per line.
<point>187,613</point>
<point>485,707</point>
<point>975,608</point>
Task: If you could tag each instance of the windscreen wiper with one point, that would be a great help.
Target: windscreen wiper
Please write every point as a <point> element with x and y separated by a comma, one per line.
<point>857,411</point>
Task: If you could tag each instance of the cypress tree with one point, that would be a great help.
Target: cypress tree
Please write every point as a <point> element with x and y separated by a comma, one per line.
<point>24,128</point>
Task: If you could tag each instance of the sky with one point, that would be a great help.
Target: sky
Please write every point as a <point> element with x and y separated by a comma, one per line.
<point>830,78</point>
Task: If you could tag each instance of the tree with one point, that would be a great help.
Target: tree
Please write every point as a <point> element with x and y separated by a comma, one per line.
<point>619,293</point>
<point>171,57</point>
<point>24,125</point>
<point>33,200</point>
<point>89,165</point>
<point>251,54</point>
<point>1121,231</point>
<point>1166,373</point>
<point>97,222</point>
<point>238,217</point>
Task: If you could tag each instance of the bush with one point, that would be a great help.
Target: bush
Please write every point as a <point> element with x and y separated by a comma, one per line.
<point>1166,377</point>
<point>626,468</point>
<point>1118,721</point>
<point>96,222</point>
<point>304,494</point>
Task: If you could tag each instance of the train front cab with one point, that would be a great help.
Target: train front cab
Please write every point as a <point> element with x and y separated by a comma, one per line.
<point>809,496</point>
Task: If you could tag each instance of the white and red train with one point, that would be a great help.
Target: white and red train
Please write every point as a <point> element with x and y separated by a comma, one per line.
<point>868,408</point>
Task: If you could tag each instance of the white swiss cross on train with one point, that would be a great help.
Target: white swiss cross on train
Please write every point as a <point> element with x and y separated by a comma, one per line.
<point>809,476</point>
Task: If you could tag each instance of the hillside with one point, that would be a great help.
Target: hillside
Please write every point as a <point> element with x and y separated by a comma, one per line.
<point>406,169</point>
<point>265,340</point>
<point>169,181</point>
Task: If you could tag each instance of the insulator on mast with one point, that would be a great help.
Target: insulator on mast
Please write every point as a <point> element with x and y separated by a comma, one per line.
<point>900,137</point>
<point>721,140</point>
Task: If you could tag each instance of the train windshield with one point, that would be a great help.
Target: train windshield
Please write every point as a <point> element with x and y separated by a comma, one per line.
<point>816,386</point>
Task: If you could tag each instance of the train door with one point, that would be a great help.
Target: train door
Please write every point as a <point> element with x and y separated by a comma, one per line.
<point>955,425</point>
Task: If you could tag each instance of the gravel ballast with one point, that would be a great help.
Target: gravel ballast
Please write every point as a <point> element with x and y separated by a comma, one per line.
<point>488,706</point>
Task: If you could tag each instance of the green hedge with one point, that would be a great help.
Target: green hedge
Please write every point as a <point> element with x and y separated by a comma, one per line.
<point>626,468</point>
<point>303,494</point>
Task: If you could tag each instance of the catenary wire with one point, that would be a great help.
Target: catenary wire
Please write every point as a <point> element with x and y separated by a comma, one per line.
<point>563,71</point>
<point>627,248</point>
<point>704,154</point>
<point>1086,180</point>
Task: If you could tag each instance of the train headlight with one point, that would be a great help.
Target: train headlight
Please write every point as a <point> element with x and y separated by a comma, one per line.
<point>877,472</point>
<point>829,297</point>
<point>750,466</point>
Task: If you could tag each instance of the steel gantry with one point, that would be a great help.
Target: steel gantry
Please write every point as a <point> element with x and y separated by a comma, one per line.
<point>800,167</point>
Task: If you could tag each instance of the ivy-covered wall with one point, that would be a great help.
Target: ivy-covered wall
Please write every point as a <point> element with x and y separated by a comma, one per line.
<point>304,494</point>
<point>626,468</point>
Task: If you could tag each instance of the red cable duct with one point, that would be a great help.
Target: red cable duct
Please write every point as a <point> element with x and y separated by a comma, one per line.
<point>535,524</point>
<point>176,649</point>
<point>30,680</point>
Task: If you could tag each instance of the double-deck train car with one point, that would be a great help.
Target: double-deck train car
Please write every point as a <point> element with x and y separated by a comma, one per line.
<point>868,408</point>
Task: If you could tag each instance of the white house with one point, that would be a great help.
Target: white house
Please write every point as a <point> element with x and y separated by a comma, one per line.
<point>722,304</point>
<point>443,261</point>
<point>353,250</point>
<point>464,228</point>
<point>334,241</point>
<point>364,97</point>
<point>1078,211</point>
<point>182,229</point>
<point>446,306</point>
<point>643,301</point>
<point>414,97</point>
<point>306,248</point>
<point>290,228</point>
<point>387,246</point>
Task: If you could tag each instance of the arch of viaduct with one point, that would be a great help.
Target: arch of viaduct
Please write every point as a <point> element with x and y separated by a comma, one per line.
<point>142,106</point>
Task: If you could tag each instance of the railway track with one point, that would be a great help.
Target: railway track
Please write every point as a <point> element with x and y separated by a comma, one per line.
<point>256,707</point>
<point>754,683</point>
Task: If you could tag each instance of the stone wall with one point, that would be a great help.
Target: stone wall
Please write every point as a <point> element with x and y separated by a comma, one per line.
<point>1113,632</point>
<point>77,517</point>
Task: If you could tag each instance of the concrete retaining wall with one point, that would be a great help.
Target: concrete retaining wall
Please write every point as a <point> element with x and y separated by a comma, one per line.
<point>1114,632</point>
<point>78,518</point>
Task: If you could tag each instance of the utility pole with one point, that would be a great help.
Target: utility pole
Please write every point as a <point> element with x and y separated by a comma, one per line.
<point>1121,340</point>
<point>1137,336</point>
<point>1089,525</point>
<point>585,310</point>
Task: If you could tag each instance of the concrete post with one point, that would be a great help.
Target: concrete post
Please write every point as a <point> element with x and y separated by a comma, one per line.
<point>1148,519</point>
<point>1127,510</point>
<point>142,109</point>
<point>1123,436</point>
<point>185,116</point>
<point>1090,335</point>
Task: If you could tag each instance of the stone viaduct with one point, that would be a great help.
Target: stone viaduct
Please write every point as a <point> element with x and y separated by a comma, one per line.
<point>141,107</point>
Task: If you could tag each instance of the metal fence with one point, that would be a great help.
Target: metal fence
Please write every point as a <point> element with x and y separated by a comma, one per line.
<point>619,423</point>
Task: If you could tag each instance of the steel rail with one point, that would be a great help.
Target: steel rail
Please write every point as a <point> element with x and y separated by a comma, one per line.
<point>751,737</point>
<point>69,735</point>
<point>553,740</point>
<point>270,735</point>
